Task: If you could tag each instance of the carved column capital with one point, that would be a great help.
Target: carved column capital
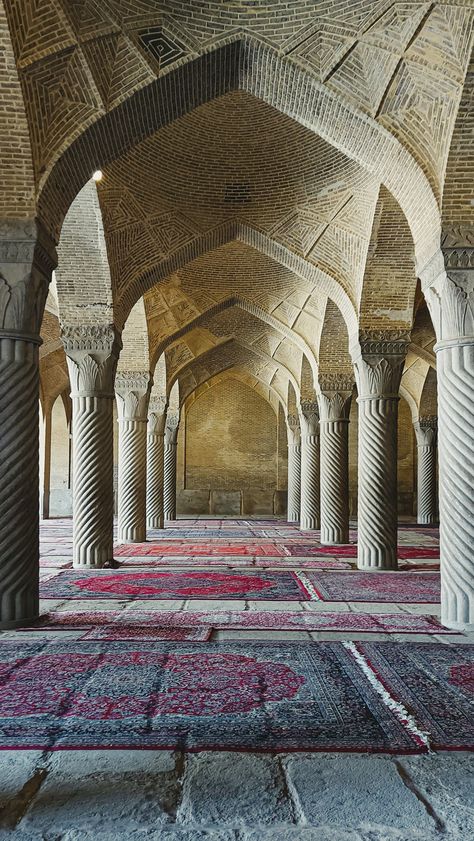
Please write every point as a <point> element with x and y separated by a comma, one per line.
<point>171,429</point>
<point>426,431</point>
<point>448,286</point>
<point>92,352</point>
<point>378,362</point>
<point>336,404</point>
<point>293,429</point>
<point>157,415</point>
<point>132,389</point>
<point>309,417</point>
<point>27,260</point>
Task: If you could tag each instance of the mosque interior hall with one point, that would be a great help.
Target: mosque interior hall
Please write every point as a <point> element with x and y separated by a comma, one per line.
<point>236,420</point>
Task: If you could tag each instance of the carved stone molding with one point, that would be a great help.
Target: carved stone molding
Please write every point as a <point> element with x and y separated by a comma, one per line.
<point>335,405</point>
<point>329,383</point>
<point>27,259</point>
<point>132,389</point>
<point>92,353</point>
<point>379,361</point>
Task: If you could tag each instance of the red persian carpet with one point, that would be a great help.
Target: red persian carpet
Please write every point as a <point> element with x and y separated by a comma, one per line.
<point>259,563</point>
<point>187,548</point>
<point>176,633</point>
<point>350,551</point>
<point>229,696</point>
<point>174,585</point>
<point>435,682</point>
<point>404,587</point>
<point>301,620</point>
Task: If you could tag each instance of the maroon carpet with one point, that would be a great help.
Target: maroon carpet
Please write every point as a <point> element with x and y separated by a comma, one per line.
<point>403,587</point>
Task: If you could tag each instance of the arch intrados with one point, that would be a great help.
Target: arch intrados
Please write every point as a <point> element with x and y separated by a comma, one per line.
<point>234,373</point>
<point>214,352</point>
<point>246,306</point>
<point>237,231</point>
<point>246,64</point>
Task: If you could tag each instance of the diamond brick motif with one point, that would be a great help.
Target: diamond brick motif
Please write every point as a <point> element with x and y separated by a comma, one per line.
<point>161,47</point>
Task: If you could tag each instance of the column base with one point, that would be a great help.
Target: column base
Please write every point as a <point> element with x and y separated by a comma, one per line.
<point>462,627</point>
<point>309,526</point>
<point>378,568</point>
<point>155,523</point>
<point>107,564</point>
<point>325,542</point>
<point>19,623</point>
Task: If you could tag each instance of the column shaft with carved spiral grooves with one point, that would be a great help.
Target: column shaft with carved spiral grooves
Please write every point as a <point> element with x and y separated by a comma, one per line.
<point>378,371</point>
<point>426,435</point>
<point>455,369</point>
<point>334,422</point>
<point>92,353</point>
<point>19,479</point>
<point>294,469</point>
<point>132,391</point>
<point>170,454</point>
<point>155,464</point>
<point>310,467</point>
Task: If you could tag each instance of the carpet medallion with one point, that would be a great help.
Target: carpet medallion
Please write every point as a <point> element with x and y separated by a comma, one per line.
<point>174,585</point>
<point>404,587</point>
<point>231,696</point>
<point>436,682</point>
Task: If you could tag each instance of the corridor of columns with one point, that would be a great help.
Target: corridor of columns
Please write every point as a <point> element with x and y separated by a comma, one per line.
<point>236,420</point>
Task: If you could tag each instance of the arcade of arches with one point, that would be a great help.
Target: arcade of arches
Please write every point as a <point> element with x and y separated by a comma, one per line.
<point>236,281</point>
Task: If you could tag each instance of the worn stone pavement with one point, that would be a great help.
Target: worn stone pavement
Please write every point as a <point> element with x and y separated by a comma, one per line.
<point>222,796</point>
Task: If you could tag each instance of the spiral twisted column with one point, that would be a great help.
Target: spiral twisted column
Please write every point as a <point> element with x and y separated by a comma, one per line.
<point>335,402</point>
<point>378,366</point>
<point>426,431</point>
<point>448,285</point>
<point>155,463</point>
<point>19,479</point>
<point>92,352</point>
<point>169,484</point>
<point>132,389</point>
<point>309,498</point>
<point>294,469</point>
<point>27,259</point>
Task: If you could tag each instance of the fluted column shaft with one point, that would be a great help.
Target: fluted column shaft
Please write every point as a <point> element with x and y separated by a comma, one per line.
<point>334,424</point>
<point>455,367</point>
<point>426,437</point>
<point>294,469</point>
<point>155,463</point>
<point>27,259</point>
<point>92,353</point>
<point>378,369</point>
<point>19,479</point>
<point>448,284</point>
<point>132,392</point>
<point>170,454</point>
<point>310,466</point>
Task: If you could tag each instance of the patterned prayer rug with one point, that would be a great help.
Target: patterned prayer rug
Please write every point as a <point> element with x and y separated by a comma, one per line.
<point>229,696</point>
<point>403,587</point>
<point>435,682</point>
<point>260,563</point>
<point>174,585</point>
<point>55,563</point>
<point>302,620</point>
<point>350,551</point>
<point>119,631</point>
<point>186,548</point>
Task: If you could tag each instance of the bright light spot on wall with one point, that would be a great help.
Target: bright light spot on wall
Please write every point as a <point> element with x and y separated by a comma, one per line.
<point>97,176</point>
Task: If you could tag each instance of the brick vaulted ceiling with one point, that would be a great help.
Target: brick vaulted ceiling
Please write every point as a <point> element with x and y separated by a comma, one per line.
<point>250,184</point>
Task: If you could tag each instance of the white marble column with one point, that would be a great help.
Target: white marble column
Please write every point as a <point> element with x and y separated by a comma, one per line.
<point>310,498</point>
<point>92,352</point>
<point>449,290</point>
<point>132,389</point>
<point>294,468</point>
<point>378,366</point>
<point>155,463</point>
<point>27,259</point>
<point>171,447</point>
<point>426,431</point>
<point>335,403</point>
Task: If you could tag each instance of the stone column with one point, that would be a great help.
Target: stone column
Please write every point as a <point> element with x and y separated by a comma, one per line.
<point>92,352</point>
<point>169,485</point>
<point>27,259</point>
<point>378,365</point>
<point>132,389</point>
<point>335,402</point>
<point>155,463</point>
<point>45,462</point>
<point>310,499</point>
<point>294,468</point>
<point>426,431</point>
<point>449,290</point>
